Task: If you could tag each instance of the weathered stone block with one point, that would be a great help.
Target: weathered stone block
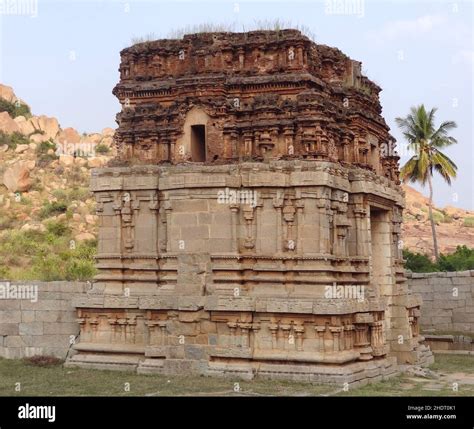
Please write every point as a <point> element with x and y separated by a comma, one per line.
<point>32,328</point>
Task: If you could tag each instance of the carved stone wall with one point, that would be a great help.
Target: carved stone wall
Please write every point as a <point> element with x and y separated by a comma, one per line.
<point>275,254</point>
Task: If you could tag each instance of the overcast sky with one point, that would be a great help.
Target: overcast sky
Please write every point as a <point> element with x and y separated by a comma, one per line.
<point>62,56</point>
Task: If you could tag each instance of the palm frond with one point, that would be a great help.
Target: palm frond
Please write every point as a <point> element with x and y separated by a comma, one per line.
<point>443,165</point>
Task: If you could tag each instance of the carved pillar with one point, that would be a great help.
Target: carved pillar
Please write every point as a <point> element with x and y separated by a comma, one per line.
<point>321,331</point>
<point>131,324</point>
<point>248,143</point>
<point>323,221</point>
<point>274,333</point>
<point>349,336</point>
<point>299,331</point>
<point>245,330</point>
<point>152,326</point>
<point>286,330</point>
<point>94,324</point>
<point>241,54</point>
<point>248,213</point>
<point>288,134</point>
<point>299,204</point>
<point>377,338</point>
<point>345,148</point>
<point>167,207</point>
<point>234,209</point>
<point>122,325</point>
<point>361,232</point>
<point>232,328</point>
<point>154,207</point>
<point>278,205</point>
<point>289,218</point>
<point>336,332</point>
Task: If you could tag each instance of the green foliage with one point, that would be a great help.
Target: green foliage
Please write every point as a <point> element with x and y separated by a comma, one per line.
<point>460,260</point>
<point>58,229</point>
<point>102,149</point>
<point>75,177</point>
<point>426,141</point>
<point>45,158</point>
<point>13,140</point>
<point>469,222</point>
<point>4,272</point>
<point>447,219</point>
<point>418,263</point>
<point>79,193</point>
<point>46,256</point>
<point>45,146</point>
<point>14,109</point>
<point>25,201</point>
<point>438,217</point>
<point>51,209</point>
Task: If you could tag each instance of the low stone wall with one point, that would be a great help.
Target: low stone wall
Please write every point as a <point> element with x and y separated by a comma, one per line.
<point>38,325</point>
<point>448,301</point>
<point>47,324</point>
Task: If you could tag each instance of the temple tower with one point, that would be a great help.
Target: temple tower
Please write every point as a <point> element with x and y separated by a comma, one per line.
<point>250,224</point>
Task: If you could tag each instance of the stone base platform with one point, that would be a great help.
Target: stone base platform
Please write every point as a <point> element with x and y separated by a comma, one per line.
<point>353,374</point>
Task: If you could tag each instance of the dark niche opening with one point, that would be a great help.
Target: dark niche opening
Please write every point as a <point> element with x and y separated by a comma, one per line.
<point>198,143</point>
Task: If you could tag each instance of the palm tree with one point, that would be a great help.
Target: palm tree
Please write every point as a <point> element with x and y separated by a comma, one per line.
<point>426,141</point>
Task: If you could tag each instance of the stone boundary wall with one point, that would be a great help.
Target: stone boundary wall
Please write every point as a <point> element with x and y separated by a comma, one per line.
<point>448,301</point>
<point>43,327</point>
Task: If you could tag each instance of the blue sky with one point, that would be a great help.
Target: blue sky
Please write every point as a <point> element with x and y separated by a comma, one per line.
<point>64,61</point>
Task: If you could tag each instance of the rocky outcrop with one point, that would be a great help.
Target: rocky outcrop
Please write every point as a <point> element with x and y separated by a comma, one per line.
<point>17,177</point>
<point>7,93</point>
<point>453,226</point>
<point>7,124</point>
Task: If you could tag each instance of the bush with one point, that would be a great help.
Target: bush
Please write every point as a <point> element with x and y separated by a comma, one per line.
<point>438,217</point>
<point>48,268</point>
<point>50,209</point>
<point>14,109</point>
<point>45,158</point>
<point>102,149</point>
<point>57,229</point>
<point>462,259</point>
<point>75,194</point>
<point>418,263</point>
<point>45,146</point>
<point>447,219</point>
<point>78,269</point>
<point>4,272</point>
<point>13,140</point>
<point>469,222</point>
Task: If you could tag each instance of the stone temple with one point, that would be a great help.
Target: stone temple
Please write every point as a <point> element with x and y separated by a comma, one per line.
<point>250,224</point>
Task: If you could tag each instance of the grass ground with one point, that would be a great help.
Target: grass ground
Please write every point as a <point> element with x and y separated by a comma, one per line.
<point>451,371</point>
